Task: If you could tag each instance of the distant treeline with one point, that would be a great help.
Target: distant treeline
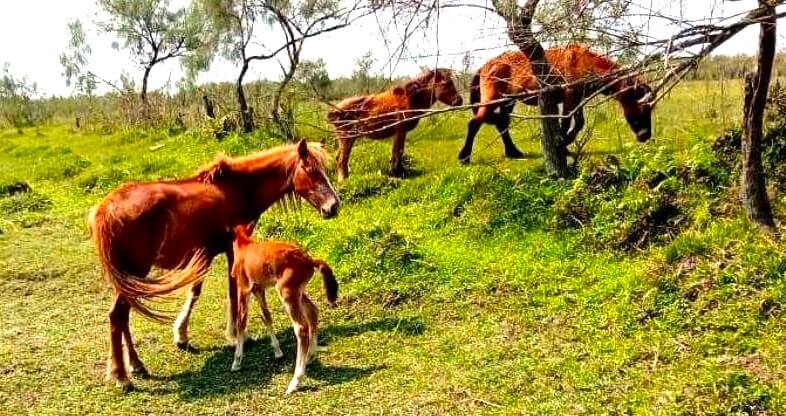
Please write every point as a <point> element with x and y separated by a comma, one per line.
<point>733,67</point>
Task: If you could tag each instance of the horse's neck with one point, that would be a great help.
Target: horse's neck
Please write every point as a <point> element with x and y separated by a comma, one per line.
<point>422,98</point>
<point>259,189</point>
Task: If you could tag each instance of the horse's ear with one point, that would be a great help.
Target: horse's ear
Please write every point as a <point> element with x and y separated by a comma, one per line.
<point>302,149</point>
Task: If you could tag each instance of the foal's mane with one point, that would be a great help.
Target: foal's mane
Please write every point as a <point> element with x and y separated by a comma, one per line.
<point>284,157</point>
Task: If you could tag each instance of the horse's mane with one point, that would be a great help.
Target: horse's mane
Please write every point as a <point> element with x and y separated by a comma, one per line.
<point>285,155</point>
<point>424,78</point>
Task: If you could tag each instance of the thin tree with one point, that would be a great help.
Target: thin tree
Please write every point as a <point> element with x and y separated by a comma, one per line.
<point>519,24</point>
<point>754,189</point>
<point>239,23</point>
<point>151,32</point>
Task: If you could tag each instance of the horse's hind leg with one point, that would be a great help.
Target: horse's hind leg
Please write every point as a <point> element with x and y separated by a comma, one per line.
<point>292,299</point>
<point>313,327</point>
<point>396,163</point>
<point>502,122</point>
<point>118,324</point>
<point>267,319</point>
<point>180,327</point>
<point>342,160</point>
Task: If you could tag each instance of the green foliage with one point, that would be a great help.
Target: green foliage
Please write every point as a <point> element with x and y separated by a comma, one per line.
<point>19,106</point>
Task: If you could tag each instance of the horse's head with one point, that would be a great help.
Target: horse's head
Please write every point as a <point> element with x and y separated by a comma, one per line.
<point>444,88</point>
<point>637,106</point>
<point>310,180</point>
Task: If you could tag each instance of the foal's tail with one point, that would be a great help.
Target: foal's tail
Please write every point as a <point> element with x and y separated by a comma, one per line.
<point>474,92</point>
<point>136,289</point>
<point>329,280</point>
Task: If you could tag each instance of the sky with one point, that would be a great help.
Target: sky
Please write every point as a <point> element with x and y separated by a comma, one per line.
<point>34,34</point>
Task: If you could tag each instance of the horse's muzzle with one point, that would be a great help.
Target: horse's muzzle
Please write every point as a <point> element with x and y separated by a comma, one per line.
<point>643,135</point>
<point>330,209</point>
<point>458,101</point>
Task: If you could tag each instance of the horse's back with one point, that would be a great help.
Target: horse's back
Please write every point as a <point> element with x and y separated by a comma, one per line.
<point>372,116</point>
<point>159,223</point>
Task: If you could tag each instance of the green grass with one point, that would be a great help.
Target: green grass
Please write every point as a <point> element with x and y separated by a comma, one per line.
<point>457,292</point>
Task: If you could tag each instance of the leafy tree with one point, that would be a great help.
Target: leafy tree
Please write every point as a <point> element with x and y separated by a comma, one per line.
<point>362,72</point>
<point>151,32</point>
<point>314,76</point>
<point>75,61</point>
<point>18,104</point>
<point>238,23</point>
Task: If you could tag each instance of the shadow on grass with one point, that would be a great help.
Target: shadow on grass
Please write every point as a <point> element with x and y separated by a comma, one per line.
<point>259,364</point>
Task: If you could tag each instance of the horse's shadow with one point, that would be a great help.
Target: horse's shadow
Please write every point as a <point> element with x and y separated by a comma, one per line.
<point>259,364</point>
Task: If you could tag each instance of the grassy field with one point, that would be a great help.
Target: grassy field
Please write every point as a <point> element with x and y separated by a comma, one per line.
<point>458,294</point>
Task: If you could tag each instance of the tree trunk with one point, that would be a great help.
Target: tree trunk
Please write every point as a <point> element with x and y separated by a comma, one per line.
<point>246,118</point>
<point>285,126</point>
<point>143,93</point>
<point>520,32</point>
<point>754,189</point>
<point>210,111</point>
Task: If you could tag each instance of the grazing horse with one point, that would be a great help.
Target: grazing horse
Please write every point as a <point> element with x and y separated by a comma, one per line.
<point>261,265</point>
<point>586,73</point>
<point>182,225</point>
<point>390,113</point>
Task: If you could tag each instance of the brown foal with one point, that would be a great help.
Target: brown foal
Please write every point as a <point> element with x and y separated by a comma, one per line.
<point>261,265</point>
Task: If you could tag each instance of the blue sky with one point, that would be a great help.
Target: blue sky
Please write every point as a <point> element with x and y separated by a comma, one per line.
<point>33,34</point>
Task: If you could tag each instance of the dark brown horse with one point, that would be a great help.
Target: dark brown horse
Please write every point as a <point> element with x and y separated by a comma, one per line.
<point>182,225</point>
<point>390,113</point>
<point>586,73</point>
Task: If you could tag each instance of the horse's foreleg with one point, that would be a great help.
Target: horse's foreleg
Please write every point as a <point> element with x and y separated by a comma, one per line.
<point>472,130</point>
<point>267,319</point>
<point>180,327</point>
<point>231,332</point>
<point>136,366</point>
<point>503,127</point>
<point>396,163</point>
<point>571,125</point>
<point>342,160</point>
<point>118,324</point>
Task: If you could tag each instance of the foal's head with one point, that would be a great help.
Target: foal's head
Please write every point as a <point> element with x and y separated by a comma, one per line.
<point>310,180</point>
<point>637,106</point>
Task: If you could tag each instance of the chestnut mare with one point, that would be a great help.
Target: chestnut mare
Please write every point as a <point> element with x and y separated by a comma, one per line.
<point>182,225</point>
<point>387,114</point>
<point>288,267</point>
<point>587,72</point>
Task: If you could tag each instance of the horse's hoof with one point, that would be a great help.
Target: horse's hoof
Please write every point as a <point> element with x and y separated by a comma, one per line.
<point>186,347</point>
<point>125,387</point>
<point>140,372</point>
<point>278,354</point>
<point>464,160</point>
<point>464,157</point>
<point>291,389</point>
<point>514,154</point>
<point>235,368</point>
<point>396,173</point>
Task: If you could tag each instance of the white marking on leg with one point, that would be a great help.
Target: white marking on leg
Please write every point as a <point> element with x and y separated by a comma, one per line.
<point>180,327</point>
<point>238,352</point>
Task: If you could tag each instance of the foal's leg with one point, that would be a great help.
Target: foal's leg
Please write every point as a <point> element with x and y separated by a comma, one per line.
<point>118,323</point>
<point>313,327</point>
<point>292,299</point>
<point>180,327</point>
<point>344,149</point>
<point>267,319</point>
<point>396,165</point>
<point>242,319</point>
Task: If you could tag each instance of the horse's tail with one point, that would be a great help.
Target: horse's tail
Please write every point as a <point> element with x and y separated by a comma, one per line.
<point>136,289</point>
<point>474,92</point>
<point>329,280</point>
